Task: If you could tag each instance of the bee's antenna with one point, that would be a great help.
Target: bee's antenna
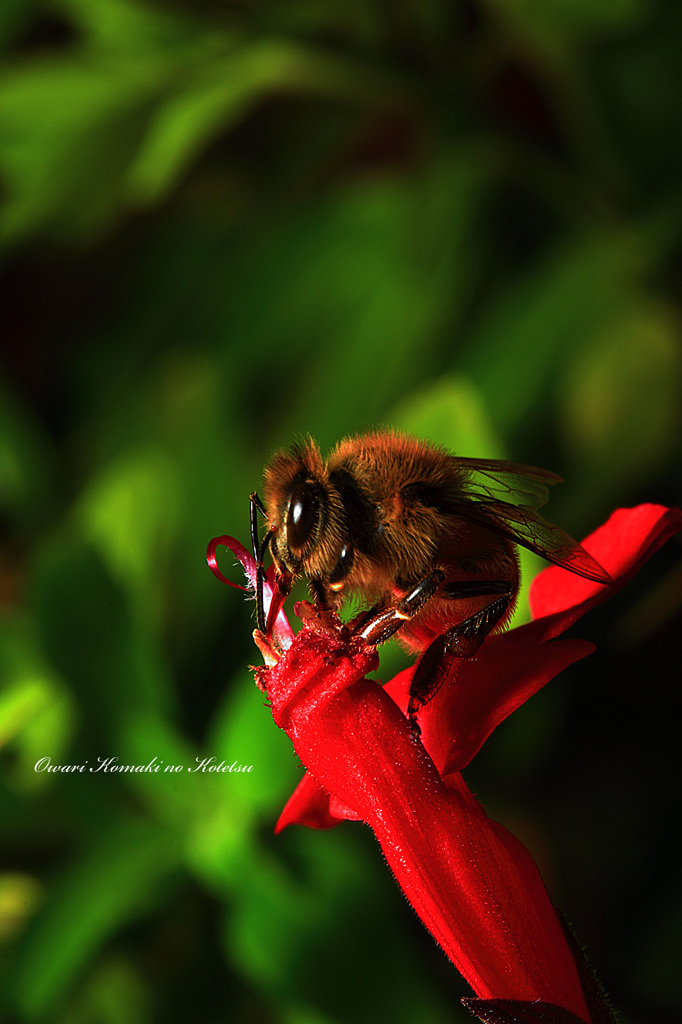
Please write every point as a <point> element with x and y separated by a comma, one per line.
<point>259,549</point>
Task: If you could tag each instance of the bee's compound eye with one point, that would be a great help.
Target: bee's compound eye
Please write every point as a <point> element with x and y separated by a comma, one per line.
<point>302,516</point>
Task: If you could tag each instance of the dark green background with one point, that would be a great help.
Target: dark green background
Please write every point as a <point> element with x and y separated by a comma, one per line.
<point>224,224</point>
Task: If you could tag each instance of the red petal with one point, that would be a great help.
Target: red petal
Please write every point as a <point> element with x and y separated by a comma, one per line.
<point>282,631</point>
<point>621,545</point>
<point>312,805</point>
<point>248,564</point>
<point>511,667</point>
<point>474,886</point>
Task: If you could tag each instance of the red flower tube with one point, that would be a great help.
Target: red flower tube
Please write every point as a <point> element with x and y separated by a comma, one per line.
<point>473,884</point>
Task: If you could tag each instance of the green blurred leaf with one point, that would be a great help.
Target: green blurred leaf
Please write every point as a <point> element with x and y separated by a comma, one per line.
<point>298,1014</point>
<point>19,704</point>
<point>554,26</point>
<point>36,717</point>
<point>243,731</point>
<point>265,928</point>
<point>129,28</point>
<point>355,21</point>
<point>338,915</point>
<point>519,348</point>
<point>174,798</point>
<point>119,880</point>
<point>89,632</point>
<point>13,15</point>
<point>71,125</point>
<point>620,398</point>
<point>37,713</point>
<point>360,291</point>
<point>20,895</point>
<point>27,470</point>
<point>222,91</point>
<point>450,412</point>
<point>118,120</point>
<point>115,992</point>
<point>129,512</point>
<point>68,130</point>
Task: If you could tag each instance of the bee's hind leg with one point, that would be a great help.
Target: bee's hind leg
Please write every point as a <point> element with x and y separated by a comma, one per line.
<point>461,641</point>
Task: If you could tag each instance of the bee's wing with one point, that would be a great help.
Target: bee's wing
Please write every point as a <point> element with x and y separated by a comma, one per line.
<point>510,482</point>
<point>504,497</point>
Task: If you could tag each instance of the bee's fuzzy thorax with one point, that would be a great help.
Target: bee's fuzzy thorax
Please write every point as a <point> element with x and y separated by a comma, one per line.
<point>385,511</point>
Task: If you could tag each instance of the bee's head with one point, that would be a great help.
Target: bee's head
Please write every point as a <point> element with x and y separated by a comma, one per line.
<point>296,503</point>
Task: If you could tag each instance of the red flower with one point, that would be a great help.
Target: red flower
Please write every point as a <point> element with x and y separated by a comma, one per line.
<point>473,884</point>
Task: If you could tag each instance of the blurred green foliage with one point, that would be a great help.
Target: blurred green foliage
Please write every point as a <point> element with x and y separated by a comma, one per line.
<point>225,224</point>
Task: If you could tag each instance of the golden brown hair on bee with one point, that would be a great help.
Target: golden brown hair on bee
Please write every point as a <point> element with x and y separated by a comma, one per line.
<point>386,510</point>
<point>428,538</point>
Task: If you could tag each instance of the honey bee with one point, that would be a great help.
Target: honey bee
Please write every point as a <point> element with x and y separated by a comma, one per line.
<point>428,540</point>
